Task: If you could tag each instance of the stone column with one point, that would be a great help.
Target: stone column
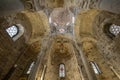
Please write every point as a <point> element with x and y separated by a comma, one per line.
<point>88,69</point>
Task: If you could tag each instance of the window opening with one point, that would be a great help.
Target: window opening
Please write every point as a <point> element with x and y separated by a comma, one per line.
<point>30,68</point>
<point>12,31</point>
<point>114,29</point>
<point>15,31</point>
<point>62,71</point>
<point>95,67</point>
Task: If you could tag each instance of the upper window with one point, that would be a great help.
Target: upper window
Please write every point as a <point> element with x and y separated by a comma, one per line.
<point>114,29</point>
<point>15,31</point>
<point>62,71</point>
<point>30,67</point>
<point>95,67</point>
<point>12,31</point>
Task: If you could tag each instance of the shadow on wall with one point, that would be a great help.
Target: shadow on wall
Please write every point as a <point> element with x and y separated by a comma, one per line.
<point>8,7</point>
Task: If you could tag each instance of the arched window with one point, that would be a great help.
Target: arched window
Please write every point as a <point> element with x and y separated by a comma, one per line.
<point>111,30</point>
<point>12,31</point>
<point>30,67</point>
<point>62,71</point>
<point>114,29</point>
<point>15,31</point>
<point>95,68</point>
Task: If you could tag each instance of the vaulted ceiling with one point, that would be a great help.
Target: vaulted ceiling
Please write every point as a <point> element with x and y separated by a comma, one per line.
<point>93,19</point>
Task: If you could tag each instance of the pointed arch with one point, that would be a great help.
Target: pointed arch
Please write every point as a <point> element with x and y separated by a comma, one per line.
<point>15,31</point>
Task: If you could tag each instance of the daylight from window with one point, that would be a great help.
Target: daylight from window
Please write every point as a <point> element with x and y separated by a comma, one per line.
<point>115,29</point>
<point>12,31</point>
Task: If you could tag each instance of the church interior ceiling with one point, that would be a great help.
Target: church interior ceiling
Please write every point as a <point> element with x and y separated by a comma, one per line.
<point>59,40</point>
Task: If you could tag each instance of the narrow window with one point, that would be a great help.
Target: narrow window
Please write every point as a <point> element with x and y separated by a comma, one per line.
<point>62,71</point>
<point>30,67</point>
<point>95,67</point>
